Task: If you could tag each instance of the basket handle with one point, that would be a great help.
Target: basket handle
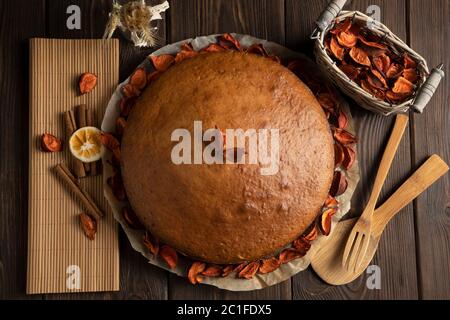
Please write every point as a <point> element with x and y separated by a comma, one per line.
<point>327,15</point>
<point>427,90</point>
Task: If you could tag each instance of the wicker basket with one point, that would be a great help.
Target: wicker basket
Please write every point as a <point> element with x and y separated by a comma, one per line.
<point>349,87</point>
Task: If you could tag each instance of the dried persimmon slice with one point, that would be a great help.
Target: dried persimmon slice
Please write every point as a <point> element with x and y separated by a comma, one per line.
<point>410,75</point>
<point>394,71</point>
<point>162,62</point>
<point>336,49</point>
<point>350,70</point>
<point>347,39</point>
<point>269,265</point>
<point>409,62</point>
<point>194,272</point>
<point>212,271</point>
<point>360,56</point>
<point>343,26</point>
<point>403,86</point>
<point>169,255</point>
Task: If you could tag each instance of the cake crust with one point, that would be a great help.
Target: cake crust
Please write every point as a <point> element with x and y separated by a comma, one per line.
<point>227,213</point>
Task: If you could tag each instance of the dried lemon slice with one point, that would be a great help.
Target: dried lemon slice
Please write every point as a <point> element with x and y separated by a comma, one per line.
<point>85,144</point>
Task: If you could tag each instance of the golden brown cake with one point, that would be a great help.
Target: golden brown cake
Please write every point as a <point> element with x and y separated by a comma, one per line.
<point>223,213</point>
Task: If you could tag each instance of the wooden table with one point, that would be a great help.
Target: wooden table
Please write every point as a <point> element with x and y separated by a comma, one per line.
<point>414,253</point>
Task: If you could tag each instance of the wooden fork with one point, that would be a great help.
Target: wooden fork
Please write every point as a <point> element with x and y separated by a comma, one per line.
<point>358,241</point>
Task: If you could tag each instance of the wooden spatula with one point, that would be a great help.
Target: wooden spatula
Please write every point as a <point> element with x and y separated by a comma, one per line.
<point>359,238</point>
<point>326,254</point>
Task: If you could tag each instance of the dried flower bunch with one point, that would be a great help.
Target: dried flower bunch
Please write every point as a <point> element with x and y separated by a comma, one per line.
<point>345,155</point>
<point>134,19</point>
<point>377,67</point>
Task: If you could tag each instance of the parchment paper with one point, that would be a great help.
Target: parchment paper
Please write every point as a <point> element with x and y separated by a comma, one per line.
<point>231,282</point>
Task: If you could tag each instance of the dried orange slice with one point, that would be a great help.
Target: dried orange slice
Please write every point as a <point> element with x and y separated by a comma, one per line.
<point>85,144</point>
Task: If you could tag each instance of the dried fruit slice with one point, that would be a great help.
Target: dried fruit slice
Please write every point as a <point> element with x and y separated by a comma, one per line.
<point>351,71</point>
<point>187,46</point>
<point>403,86</point>
<point>125,106</point>
<point>257,48</point>
<point>347,39</point>
<point>227,270</point>
<point>342,120</point>
<point>301,245</point>
<point>331,202</point>
<point>378,76</point>
<point>183,55</point>
<point>194,272</point>
<point>349,157</point>
<point>249,270</point>
<point>372,43</point>
<point>131,219</point>
<point>151,243</point>
<point>85,144</point>
<point>382,62</point>
<point>116,184</point>
<point>339,184</point>
<point>269,265</point>
<point>139,78</point>
<point>325,221</point>
<point>213,47</point>
<point>239,267</point>
<point>212,271</point>
<point>344,137</point>
<point>395,97</point>
<point>152,76</point>
<point>336,49</point>
<point>50,143</point>
<point>410,75</point>
<point>130,91</point>
<point>343,26</point>
<point>87,82</point>
<point>394,71</point>
<point>408,62</point>
<point>288,255</point>
<point>326,101</point>
<point>229,42</point>
<point>111,143</point>
<point>367,87</point>
<point>89,225</point>
<point>162,62</point>
<point>360,56</point>
<point>311,234</point>
<point>169,255</point>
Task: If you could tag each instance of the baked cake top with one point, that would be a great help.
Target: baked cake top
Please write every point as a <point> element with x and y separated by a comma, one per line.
<point>227,213</point>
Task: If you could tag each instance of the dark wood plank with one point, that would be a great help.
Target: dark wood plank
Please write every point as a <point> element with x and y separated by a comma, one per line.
<point>396,254</point>
<point>430,36</point>
<point>260,18</point>
<point>138,279</point>
<point>20,20</point>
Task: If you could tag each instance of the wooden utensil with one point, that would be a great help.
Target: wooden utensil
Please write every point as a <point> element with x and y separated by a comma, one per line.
<point>326,259</point>
<point>359,238</point>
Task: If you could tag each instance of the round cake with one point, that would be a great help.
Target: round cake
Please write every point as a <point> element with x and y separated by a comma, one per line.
<point>227,213</point>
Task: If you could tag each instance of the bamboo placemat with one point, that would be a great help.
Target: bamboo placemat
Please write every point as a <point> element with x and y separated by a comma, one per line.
<point>60,257</point>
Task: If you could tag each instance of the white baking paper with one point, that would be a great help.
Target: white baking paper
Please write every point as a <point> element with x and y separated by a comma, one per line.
<point>231,282</point>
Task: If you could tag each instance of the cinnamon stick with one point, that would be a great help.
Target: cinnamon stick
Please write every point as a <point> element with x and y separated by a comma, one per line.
<point>71,127</point>
<point>72,183</point>
<point>80,112</point>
